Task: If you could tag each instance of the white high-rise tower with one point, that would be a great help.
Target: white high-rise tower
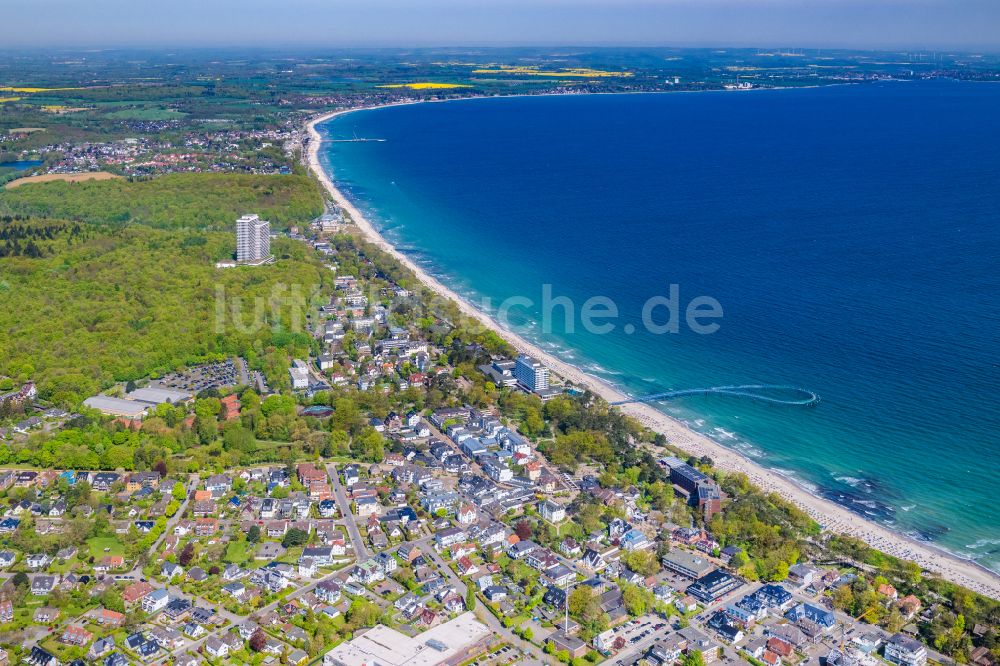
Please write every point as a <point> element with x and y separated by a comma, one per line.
<point>253,240</point>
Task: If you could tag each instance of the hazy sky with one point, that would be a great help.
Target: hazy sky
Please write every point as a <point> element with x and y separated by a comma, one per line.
<point>924,24</point>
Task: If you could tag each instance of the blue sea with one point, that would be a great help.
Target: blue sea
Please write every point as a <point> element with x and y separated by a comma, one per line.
<point>21,165</point>
<point>850,235</point>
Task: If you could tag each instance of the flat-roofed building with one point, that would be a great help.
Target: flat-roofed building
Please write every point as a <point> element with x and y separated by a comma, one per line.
<point>501,372</point>
<point>686,564</point>
<point>687,477</point>
<point>449,643</point>
<point>713,586</point>
<point>531,374</point>
<point>157,396</point>
<point>106,404</point>
<point>299,373</point>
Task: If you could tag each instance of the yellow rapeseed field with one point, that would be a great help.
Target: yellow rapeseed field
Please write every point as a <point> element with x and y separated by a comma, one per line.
<point>32,90</point>
<point>426,85</point>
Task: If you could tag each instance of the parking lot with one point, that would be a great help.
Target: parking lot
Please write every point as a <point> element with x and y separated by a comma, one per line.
<point>213,375</point>
<point>639,634</point>
<point>505,654</point>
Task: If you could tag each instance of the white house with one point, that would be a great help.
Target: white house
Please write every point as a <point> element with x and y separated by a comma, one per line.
<point>170,569</point>
<point>38,561</point>
<point>216,648</point>
<point>552,511</point>
<point>299,373</point>
<point>902,650</point>
<point>351,476</point>
<point>366,506</point>
<point>155,601</point>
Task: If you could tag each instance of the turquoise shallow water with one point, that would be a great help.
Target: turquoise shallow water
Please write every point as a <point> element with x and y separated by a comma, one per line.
<point>21,165</point>
<point>851,235</point>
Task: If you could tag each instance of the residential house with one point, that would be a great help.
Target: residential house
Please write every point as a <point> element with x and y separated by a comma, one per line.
<point>75,634</point>
<point>466,514</point>
<point>802,575</point>
<point>155,601</point>
<point>713,586</point>
<point>551,511</point>
<point>366,506</point>
<point>350,475</point>
<point>887,590</point>
<point>230,407</point>
<point>449,537</point>
<point>118,659</point>
<point>216,649</point>
<point>109,618</point>
<point>101,647</point>
<point>42,585</point>
<point>328,591</point>
<point>634,540</point>
<point>909,605</point>
<point>171,569</point>
<point>820,616</point>
<point>46,615</point>
<point>902,650</point>
<point>37,561</point>
<point>135,592</point>
<point>40,657</point>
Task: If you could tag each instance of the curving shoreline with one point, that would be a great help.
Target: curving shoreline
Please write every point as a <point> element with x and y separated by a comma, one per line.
<point>830,515</point>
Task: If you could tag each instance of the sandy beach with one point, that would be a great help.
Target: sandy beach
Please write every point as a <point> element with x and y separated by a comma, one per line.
<point>828,514</point>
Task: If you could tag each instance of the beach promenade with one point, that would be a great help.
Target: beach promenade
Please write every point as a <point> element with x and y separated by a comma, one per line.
<point>831,516</point>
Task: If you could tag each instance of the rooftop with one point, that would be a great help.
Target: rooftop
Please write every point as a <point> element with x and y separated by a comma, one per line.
<point>116,406</point>
<point>158,395</point>
<point>388,647</point>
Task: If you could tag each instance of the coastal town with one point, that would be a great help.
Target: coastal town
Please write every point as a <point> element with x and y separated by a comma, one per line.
<point>437,526</point>
<point>459,545</point>
<point>238,426</point>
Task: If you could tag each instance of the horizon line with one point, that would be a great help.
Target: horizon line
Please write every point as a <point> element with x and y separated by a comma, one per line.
<point>375,46</point>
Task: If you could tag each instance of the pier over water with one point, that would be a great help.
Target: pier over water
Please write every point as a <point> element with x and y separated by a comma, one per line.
<point>798,397</point>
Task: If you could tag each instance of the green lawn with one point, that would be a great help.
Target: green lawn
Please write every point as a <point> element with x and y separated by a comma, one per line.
<point>63,652</point>
<point>62,566</point>
<point>98,544</point>
<point>237,552</point>
<point>291,555</point>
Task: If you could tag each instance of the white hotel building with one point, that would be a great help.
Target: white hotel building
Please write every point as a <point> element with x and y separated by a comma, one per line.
<point>253,240</point>
<point>531,374</point>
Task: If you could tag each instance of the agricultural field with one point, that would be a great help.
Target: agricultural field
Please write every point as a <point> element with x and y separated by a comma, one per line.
<point>62,177</point>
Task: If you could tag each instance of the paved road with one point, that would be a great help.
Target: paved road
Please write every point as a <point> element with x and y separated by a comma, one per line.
<point>360,547</point>
<point>362,552</point>
<point>171,522</point>
<point>484,615</point>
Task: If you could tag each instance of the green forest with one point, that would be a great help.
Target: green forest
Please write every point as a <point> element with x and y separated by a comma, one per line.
<point>175,201</point>
<point>107,281</point>
<point>105,307</point>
